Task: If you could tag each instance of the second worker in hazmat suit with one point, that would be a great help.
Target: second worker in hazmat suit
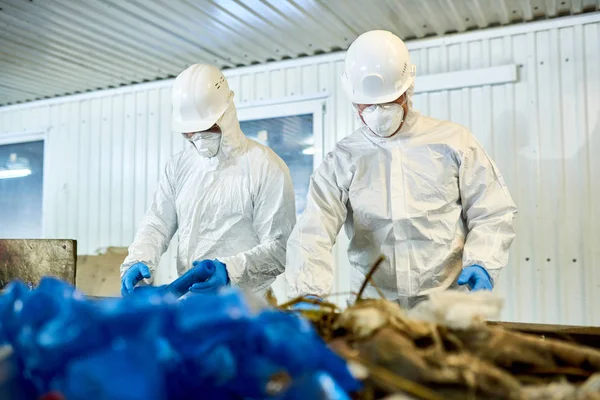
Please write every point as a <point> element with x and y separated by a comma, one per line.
<point>419,191</point>
<point>230,199</point>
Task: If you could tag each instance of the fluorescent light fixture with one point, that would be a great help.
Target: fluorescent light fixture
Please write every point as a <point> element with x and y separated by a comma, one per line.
<point>309,151</point>
<point>14,173</point>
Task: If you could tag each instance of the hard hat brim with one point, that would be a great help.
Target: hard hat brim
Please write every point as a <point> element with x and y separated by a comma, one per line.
<point>361,99</point>
<point>200,124</point>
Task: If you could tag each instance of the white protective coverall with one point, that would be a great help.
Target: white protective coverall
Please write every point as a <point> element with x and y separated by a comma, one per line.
<point>429,199</point>
<point>237,207</point>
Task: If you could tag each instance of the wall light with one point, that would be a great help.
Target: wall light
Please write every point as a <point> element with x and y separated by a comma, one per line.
<point>309,151</point>
<point>14,173</point>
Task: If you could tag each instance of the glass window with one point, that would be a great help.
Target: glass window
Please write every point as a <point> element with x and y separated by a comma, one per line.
<point>292,138</point>
<point>21,185</point>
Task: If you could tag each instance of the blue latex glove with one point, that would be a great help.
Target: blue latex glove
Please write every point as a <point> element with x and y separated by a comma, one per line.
<point>307,306</point>
<point>219,278</point>
<point>181,286</point>
<point>476,277</point>
<point>133,276</point>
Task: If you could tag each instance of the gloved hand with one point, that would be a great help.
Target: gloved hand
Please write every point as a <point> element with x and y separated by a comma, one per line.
<point>197,274</point>
<point>476,277</point>
<point>218,279</point>
<point>302,306</point>
<point>133,276</point>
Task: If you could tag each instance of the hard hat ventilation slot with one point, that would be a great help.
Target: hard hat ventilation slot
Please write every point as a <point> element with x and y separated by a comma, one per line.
<point>404,69</point>
<point>220,82</point>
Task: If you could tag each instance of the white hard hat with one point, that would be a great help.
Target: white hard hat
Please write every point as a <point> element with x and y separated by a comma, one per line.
<point>200,96</point>
<point>377,68</point>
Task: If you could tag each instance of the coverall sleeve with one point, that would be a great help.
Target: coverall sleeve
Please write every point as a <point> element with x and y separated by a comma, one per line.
<point>273,219</point>
<point>310,263</point>
<point>157,227</point>
<point>488,210</point>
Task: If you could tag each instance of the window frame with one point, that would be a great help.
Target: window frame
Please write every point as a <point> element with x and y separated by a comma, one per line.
<point>268,110</point>
<point>8,138</point>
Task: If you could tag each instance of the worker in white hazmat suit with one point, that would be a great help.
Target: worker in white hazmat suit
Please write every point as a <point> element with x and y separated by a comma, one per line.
<point>229,199</point>
<point>419,191</point>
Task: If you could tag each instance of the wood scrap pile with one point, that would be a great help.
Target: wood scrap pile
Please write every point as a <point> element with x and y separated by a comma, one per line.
<point>444,349</point>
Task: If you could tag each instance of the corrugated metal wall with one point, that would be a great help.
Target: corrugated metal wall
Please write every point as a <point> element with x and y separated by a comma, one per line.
<point>105,151</point>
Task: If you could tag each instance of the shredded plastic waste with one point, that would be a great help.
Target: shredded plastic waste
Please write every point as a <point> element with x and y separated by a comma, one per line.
<point>447,351</point>
<point>152,346</point>
<point>458,310</point>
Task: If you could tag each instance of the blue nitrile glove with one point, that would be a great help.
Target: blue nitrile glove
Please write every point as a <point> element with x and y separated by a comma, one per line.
<point>133,276</point>
<point>181,286</point>
<point>200,272</point>
<point>302,306</point>
<point>476,277</point>
<point>219,278</point>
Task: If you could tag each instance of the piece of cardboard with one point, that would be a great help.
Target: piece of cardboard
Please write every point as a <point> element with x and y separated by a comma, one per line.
<point>99,275</point>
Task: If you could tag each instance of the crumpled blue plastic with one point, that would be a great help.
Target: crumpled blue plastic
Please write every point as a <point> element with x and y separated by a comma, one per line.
<point>151,346</point>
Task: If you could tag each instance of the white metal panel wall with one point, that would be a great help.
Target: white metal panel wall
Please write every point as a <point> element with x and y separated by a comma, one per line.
<point>106,151</point>
<point>543,132</point>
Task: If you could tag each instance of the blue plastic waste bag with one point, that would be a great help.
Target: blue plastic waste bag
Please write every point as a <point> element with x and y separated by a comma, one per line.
<point>150,345</point>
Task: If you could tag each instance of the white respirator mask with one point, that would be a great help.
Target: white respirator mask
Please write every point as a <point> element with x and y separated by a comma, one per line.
<point>383,119</point>
<point>206,143</point>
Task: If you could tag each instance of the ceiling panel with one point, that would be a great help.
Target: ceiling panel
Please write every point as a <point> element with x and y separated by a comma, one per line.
<point>52,48</point>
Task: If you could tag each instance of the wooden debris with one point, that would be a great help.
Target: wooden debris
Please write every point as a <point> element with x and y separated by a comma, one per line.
<point>31,259</point>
